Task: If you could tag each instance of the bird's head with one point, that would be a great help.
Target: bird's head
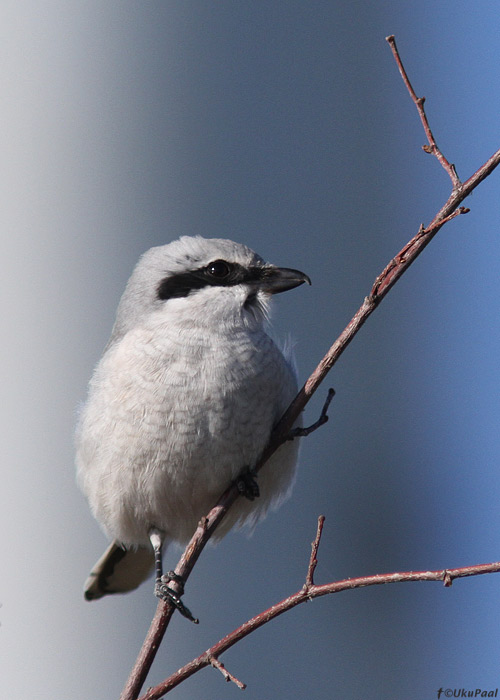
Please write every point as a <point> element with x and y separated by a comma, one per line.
<point>200,281</point>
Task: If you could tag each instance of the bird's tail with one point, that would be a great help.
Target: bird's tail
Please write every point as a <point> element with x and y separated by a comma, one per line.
<point>119,570</point>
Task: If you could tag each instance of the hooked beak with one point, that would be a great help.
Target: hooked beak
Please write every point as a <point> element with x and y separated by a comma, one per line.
<point>281,279</point>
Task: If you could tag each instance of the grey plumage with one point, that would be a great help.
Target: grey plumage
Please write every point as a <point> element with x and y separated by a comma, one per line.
<point>183,401</point>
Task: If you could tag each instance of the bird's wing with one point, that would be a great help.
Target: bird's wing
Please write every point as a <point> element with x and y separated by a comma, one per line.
<point>118,570</point>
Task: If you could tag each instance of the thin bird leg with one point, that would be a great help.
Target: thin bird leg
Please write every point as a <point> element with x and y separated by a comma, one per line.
<point>163,591</point>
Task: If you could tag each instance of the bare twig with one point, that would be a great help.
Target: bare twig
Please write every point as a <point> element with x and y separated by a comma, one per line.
<point>419,103</point>
<point>384,282</point>
<point>307,592</point>
<point>228,676</point>
<point>323,418</point>
<point>313,561</point>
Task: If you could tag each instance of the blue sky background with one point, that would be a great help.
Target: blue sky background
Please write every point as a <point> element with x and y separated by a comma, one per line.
<point>286,126</point>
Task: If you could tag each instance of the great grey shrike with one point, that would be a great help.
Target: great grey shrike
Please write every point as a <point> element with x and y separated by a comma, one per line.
<point>183,402</point>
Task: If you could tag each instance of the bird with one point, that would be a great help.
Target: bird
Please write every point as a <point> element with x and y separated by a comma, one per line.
<point>182,404</point>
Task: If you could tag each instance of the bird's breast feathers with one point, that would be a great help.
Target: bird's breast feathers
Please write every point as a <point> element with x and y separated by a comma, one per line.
<point>169,423</point>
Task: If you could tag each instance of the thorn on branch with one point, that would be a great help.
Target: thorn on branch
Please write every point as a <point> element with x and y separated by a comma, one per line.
<point>323,418</point>
<point>228,676</point>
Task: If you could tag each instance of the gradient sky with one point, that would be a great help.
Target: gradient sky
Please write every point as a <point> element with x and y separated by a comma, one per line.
<point>283,125</point>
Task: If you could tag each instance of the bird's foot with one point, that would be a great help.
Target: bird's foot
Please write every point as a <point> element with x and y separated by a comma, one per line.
<point>167,594</point>
<point>247,485</point>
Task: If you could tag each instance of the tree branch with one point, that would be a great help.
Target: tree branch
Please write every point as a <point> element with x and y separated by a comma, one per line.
<point>382,285</point>
<point>308,592</point>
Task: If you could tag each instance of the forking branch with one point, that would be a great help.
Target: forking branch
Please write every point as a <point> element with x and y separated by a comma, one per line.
<point>382,285</point>
<point>309,591</point>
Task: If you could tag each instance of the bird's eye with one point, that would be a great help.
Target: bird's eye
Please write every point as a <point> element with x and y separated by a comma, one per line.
<point>219,269</point>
